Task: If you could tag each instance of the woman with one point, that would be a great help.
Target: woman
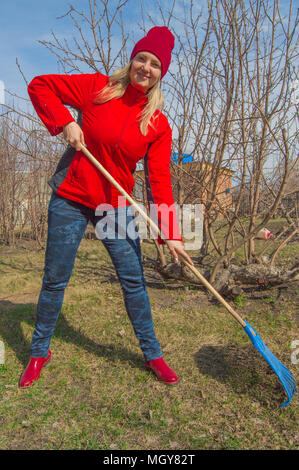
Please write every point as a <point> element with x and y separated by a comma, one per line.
<point>120,125</point>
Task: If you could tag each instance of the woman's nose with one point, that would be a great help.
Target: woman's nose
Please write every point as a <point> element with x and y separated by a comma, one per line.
<point>146,66</point>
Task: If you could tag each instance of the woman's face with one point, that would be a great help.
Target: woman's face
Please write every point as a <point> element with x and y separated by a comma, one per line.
<point>145,71</point>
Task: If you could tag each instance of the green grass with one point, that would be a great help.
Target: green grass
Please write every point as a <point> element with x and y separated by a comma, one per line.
<point>96,394</point>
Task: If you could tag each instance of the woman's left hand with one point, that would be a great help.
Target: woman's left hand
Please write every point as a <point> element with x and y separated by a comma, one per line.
<point>176,248</point>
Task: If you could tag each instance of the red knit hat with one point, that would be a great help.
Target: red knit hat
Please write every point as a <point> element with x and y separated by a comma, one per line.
<point>160,42</point>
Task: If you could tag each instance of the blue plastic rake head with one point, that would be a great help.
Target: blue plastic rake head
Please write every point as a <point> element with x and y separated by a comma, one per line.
<point>282,372</point>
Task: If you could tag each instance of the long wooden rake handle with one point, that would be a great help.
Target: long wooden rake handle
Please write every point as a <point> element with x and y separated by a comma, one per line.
<point>156,229</point>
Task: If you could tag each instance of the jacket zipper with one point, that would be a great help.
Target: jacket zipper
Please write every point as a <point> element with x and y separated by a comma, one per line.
<point>121,134</point>
<point>123,129</point>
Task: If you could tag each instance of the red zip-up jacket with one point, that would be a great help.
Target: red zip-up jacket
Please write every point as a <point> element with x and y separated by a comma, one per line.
<point>112,134</point>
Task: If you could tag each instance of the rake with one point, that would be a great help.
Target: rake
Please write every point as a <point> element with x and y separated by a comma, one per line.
<point>282,372</point>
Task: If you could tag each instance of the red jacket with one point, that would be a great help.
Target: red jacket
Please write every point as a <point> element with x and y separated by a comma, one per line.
<point>112,134</point>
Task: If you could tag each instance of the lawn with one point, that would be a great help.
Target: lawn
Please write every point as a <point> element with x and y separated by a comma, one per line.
<point>96,394</point>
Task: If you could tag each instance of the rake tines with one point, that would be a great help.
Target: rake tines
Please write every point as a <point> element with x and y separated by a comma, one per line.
<point>282,372</point>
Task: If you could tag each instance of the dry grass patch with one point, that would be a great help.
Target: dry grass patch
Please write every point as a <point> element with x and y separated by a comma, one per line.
<point>96,394</point>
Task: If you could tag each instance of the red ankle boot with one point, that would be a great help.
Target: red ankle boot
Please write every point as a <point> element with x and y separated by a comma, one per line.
<point>162,371</point>
<point>33,370</point>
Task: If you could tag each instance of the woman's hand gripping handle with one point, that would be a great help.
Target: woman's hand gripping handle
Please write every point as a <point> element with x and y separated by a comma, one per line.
<point>73,134</point>
<point>176,248</point>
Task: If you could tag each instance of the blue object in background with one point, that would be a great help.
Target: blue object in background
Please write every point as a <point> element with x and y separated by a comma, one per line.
<point>186,157</point>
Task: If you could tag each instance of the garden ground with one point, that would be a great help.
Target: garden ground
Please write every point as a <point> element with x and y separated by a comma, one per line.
<point>96,394</point>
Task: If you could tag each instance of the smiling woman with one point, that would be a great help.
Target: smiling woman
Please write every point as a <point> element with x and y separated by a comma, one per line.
<point>118,113</point>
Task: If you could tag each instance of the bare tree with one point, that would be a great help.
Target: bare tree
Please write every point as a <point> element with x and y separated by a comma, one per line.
<point>228,95</point>
<point>99,40</point>
<point>28,157</point>
<point>241,114</point>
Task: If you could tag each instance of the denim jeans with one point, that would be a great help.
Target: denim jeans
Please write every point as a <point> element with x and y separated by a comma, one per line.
<point>67,222</point>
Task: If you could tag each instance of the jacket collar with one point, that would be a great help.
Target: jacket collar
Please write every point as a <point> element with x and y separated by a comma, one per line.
<point>136,95</point>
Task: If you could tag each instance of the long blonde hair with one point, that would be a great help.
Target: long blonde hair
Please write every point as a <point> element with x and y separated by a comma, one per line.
<point>116,87</point>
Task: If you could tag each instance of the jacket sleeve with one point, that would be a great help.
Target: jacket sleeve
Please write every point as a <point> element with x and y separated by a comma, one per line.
<point>49,94</point>
<point>158,183</point>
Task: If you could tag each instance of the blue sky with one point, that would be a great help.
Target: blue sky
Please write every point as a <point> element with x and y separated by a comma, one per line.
<point>22,25</point>
<point>24,22</point>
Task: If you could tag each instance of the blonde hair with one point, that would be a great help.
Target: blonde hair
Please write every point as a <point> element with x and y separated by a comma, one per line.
<point>116,87</point>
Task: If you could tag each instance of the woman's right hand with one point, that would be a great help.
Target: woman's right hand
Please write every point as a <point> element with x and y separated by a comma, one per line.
<point>73,134</point>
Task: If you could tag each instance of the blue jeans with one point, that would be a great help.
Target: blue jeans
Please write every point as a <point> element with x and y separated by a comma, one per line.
<point>67,222</point>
